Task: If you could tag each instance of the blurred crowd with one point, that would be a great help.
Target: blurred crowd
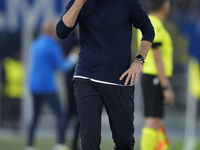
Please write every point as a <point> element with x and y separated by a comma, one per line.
<point>187,15</point>
<point>186,8</point>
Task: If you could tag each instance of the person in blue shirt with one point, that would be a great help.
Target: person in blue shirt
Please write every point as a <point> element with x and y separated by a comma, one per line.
<point>46,59</point>
<point>104,74</point>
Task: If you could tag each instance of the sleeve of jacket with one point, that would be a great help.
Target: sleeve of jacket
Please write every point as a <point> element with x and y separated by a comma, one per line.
<point>141,20</point>
<point>61,29</point>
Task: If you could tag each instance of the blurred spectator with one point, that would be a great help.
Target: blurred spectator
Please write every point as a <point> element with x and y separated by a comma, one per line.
<point>13,82</point>
<point>70,44</point>
<point>46,59</point>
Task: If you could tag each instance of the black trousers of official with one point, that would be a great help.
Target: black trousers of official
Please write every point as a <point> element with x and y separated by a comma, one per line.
<point>118,101</point>
<point>11,112</point>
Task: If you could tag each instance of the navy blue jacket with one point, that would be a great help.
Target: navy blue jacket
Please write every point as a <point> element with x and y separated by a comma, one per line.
<point>105,34</point>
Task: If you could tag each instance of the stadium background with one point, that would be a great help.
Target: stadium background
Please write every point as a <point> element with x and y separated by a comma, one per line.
<point>20,21</point>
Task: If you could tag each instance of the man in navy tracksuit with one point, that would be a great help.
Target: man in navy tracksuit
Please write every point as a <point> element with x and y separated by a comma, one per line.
<point>104,74</point>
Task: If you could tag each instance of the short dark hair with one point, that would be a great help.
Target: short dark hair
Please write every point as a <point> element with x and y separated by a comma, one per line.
<point>156,5</point>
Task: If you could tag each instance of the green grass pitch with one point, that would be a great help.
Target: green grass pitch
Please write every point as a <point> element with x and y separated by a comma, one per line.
<point>48,144</point>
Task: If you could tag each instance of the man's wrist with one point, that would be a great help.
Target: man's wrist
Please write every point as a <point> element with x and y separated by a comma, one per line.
<point>139,57</point>
<point>138,61</point>
<point>167,87</point>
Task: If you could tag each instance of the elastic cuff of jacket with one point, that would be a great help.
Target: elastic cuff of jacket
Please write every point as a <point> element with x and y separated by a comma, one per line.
<point>148,37</point>
<point>62,30</point>
<point>148,33</point>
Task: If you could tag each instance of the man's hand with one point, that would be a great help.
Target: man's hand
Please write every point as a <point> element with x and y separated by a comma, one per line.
<point>168,96</point>
<point>132,73</point>
<point>75,50</point>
